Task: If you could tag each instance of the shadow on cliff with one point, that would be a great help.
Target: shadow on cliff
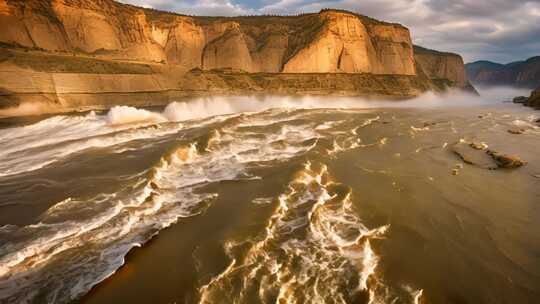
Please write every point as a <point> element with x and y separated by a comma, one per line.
<point>12,104</point>
<point>8,99</point>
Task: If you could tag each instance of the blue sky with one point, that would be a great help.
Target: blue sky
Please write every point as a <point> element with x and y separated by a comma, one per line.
<point>497,30</point>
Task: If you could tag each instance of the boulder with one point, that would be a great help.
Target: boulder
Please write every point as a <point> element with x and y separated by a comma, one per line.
<point>506,160</point>
<point>516,130</point>
<point>534,99</point>
<point>520,99</point>
<point>474,155</point>
<point>479,155</point>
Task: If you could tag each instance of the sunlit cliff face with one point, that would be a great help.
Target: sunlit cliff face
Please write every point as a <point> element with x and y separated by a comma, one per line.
<point>492,32</point>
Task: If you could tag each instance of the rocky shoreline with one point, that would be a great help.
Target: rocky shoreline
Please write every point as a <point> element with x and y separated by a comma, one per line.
<point>532,101</point>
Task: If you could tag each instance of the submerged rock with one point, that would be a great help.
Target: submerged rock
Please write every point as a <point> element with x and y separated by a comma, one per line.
<point>516,131</point>
<point>456,169</point>
<point>478,155</point>
<point>474,155</point>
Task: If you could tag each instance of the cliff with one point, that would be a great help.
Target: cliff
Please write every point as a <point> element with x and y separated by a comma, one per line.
<point>441,65</point>
<point>525,74</point>
<point>328,42</point>
<point>64,47</point>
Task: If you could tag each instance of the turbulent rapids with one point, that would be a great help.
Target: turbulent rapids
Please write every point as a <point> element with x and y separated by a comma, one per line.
<point>315,248</point>
<point>273,201</point>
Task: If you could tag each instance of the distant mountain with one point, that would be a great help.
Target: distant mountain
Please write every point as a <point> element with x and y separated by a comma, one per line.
<point>520,73</point>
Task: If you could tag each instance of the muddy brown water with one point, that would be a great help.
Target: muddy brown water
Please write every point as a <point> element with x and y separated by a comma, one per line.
<point>277,206</point>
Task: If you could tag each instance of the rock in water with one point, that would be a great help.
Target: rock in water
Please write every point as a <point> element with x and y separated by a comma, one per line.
<point>531,101</point>
<point>534,99</point>
<point>478,155</point>
<point>520,99</point>
<point>516,131</point>
<point>505,160</point>
<point>474,156</point>
<point>478,146</point>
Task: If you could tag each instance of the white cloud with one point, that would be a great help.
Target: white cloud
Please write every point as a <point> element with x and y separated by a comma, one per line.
<point>196,7</point>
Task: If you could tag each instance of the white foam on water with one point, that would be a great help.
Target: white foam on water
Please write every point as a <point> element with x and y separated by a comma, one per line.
<point>262,201</point>
<point>95,244</point>
<point>525,124</point>
<point>33,158</point>
<point>216,105</point>
<point>127,115</point>
<point>314,249</point>
<point>61,130</point>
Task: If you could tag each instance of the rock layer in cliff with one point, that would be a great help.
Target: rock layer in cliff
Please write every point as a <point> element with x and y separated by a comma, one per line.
<point>64,51</point>
<point>327,42</point>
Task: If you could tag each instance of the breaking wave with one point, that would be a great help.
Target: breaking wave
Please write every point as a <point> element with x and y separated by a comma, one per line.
<point>154,199</point>
<point>125,115</point>
<point>33,147</point>
<point>213,106</point>
<point>216,105</point>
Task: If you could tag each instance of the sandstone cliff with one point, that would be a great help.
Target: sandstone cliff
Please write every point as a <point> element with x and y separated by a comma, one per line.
<point>524,74</point>
<point>328,42</point>
<point>64,47</point>
<point>441,65</point>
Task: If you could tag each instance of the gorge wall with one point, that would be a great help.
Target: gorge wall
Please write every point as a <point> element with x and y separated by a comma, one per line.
<point>441,65</point>
<point>523,74</point>
<point>115,42</point>
<point>328,42</point>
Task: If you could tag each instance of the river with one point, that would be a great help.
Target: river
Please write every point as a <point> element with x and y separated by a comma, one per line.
<point>271,200</point>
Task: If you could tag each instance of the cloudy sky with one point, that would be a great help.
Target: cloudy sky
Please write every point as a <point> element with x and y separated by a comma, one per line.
<point>498,30</point>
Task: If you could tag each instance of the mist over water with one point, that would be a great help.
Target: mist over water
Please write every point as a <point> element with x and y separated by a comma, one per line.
<point>213,106</point>
<point>216,105</point>
<point>272,199</point>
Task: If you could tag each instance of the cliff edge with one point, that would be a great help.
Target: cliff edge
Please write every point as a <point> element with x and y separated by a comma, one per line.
<point>63,51</point>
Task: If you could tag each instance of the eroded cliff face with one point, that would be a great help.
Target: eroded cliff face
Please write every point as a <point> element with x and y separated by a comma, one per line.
<point>441,65</point>
<point>74,53</point>
<point>327,42</point>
